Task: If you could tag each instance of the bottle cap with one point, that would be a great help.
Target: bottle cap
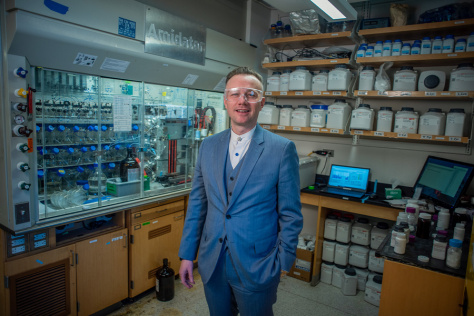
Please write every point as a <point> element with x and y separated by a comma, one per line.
<point>319,107</point>
<point>423,259</point>
<point>460,225</point>
<point>368,68</point>
<point>364,105</point>
<point>455,243</point>
<point>442,232</point>
<point>382,225</point>
<point>411,210</point>
<point>437,110</point>
<point>449,36</point>
<point>345,219</point>
<point>302,107</point>
<point>328,263</point>
<point>378,279</point>
<point>412,239</point>
<point>386,108</point>
<point>426,38</point>
<point>350,271</point>
<point>398,229</point>
<point>460,210</point>
<point>363,220</point>
<point>410,109</point>
<point>388,41</point>
<point>440,238</point>
<point>425,216</point>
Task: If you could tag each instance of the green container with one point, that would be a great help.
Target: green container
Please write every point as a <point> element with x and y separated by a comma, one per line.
<point>393,194</point>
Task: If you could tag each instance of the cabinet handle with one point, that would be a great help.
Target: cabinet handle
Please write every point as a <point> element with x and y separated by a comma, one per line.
<point>176,218</point>
<point>158,211</point>
<point>126,241</point>
<point>72,258</point>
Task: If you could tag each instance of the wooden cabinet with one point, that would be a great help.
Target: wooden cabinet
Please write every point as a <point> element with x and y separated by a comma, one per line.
<point>155,234</point>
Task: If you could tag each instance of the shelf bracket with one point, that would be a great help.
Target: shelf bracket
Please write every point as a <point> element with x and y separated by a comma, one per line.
<point>355,140</point>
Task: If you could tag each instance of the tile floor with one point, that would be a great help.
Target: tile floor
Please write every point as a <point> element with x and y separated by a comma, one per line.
<point>295,297</point>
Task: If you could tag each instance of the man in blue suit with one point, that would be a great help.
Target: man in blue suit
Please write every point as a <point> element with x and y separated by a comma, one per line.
<point>244,210</point>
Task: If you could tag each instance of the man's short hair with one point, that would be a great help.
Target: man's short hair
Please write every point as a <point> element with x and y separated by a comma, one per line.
<point>244,71</point>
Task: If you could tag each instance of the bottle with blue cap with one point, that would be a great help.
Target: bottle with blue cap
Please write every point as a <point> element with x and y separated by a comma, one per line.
<point>370,51</point>
<point>437,46</point>
<point>460,46</point>
<point>397,47</point>
<point>416,49</point>
<point>97,181</point>
<point>50,135</point>
<point>387,48</point>
<point>361,51</point>
<point>425,45</point>
<point>448,44</point>
<point>406,49</point>
<point>318,115</point>
<point>378,48</point>
<point>470,43</point>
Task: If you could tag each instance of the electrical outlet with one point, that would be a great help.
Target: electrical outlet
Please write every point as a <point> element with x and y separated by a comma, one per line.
<point>330,152</point>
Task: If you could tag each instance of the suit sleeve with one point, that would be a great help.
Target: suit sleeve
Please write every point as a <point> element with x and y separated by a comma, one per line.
<point>290,219</point>
<point>195,215</point>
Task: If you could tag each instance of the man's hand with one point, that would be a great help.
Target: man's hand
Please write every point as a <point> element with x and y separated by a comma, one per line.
<point>186,273</point>
<point>283,273</point>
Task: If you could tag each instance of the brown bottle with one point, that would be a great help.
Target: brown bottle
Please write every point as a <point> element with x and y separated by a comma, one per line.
<point>129,168</point>
<point>164,282</point>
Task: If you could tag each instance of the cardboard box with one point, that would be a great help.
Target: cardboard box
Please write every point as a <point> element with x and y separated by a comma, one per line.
<point>303,267</point>
<point>393,194</point>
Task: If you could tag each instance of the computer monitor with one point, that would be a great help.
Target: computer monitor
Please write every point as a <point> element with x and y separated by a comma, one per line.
<point>444,180</point>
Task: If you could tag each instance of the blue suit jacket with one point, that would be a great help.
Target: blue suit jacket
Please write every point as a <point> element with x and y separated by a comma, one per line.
<point>265,210</point>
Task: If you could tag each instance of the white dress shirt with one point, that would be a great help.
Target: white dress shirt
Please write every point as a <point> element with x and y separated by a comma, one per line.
<point>238,146</point>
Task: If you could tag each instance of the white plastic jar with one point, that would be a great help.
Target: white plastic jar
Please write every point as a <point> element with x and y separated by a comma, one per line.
<point>462,78</point>
<point>373,290</point>
<point>338,114</point>
<point>361,51</point>
<point>326,272</point>
<point>320,81</point>
<point>453,257</point>
<point>432,122</point>
<point>415,49</point>
<point>406,121</point>
<point>397,47</point>
<point>285,80</point>
<point>330,225</point>
<point>378,49</point>
<point>319,114</point>
<point>349,283</point>
<point>443,219</point>
<point>425,45</point>
<point>329,248</point>
<point>385,119</point>
<point>343,230</point>
<point>285,115</point>
<point>406,49</point>
<point>460,46</point>
<point>362,118</point>
<point>470,43</point>
<point>341,254</point>
<point>378,234</point>
<point>269,114</point>
<point>405,79</point>
<point>362,275</point>
<point>369,52</point>
<point>387,48</point>
<point>437,46</point>
<point>339,78</point>
<point>300,79</point>
<point>367,78</point>
<point>273,81</point>
<point>375,263</point>
<point>440,245</point>
<point>301,116</point>
<point>361,232</point>
<point>448,44</point>
<point>338,275</point>
<point>359,256</point>
<point>455,123</point>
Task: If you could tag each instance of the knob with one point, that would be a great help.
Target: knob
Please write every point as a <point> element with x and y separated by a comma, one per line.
<point>20,107</point>
<point>24,186</point>
<point>23,166</point>
<point>20,72</point>
<point>22,147</point>
<point>21,93</point>
<point>20,130</point>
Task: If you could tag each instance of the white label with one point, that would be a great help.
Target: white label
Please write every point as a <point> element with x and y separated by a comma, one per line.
<point>335,131</point>
<point>283,93</point>
<point>337,93</point>
<point>316,92</point>
<point>426,137</point>
<point>459,22</point>
<point>268,93</point>
<point>280,127</point>
<point>133,174</point>
<point>325,130</point>
<point>452,55</point>
<point>116,65</point>
<point>326,93</point>
<point>462,94</point>
<point>454,139</point>
<point>406,94</point>
<point>315,129</point>
<point>358,132</point>
<point>445,93</point>
<point>298,93</point>
<point>297,128</point>
<point>334,61</point>
<point>379,134</point>
<point>403,135</point>
<point>266,126</point>
<point>430,94</point>
<point>335,34</point>
<point>362,92</point>
<point>382,93</point>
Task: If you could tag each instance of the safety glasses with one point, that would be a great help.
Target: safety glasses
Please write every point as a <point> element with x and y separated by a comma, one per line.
<point>250,95</point>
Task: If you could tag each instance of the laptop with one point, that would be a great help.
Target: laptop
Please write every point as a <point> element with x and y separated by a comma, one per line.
<point>348,181</point>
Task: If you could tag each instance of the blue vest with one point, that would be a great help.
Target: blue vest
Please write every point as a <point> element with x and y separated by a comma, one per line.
<point>231,175</point>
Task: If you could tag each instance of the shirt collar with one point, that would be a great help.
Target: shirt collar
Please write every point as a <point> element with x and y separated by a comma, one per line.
<point>244,137</point>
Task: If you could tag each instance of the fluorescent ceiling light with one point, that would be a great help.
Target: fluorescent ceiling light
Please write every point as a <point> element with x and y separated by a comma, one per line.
<point>329,9</point>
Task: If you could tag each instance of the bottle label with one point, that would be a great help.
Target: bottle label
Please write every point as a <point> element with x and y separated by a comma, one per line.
<point>157,286</point>
<point>133,174</point>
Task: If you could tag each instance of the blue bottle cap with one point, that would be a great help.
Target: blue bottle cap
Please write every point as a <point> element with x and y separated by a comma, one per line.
<point>449,36</point>
<point>455,243</point>
<point>90,128</point>
<point>135,127</point>
<point>76,128</point>
<point>111,165</point>
<point>38,128</point>
<point>103,128</point>
<point>84,149</point>
<point>398,41</point>
<point>117,147</point>
<point>50,128</point>
<point>96,128</point>
<point>61,128</point>
<point>93,148</point>
<point>96,164</point>
<point>379,42</point>
<point>106,147</point>
<point>55,150</point>
<point>86,186</point>
<point>80,169</point>
<point>70,150</point>
<point>427,38</point>
<point>40,173</point>
<point>388,41</point>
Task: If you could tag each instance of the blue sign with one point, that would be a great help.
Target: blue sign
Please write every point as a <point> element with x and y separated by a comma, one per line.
<point>127,27</point>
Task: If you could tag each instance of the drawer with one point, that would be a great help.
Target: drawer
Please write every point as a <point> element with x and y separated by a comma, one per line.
<point>154,212</point>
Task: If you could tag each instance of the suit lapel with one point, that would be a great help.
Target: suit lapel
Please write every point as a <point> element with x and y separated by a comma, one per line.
<point>220,155</point>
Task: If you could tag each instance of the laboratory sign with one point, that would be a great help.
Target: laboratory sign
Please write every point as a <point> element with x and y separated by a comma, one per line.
<point>173,37</point>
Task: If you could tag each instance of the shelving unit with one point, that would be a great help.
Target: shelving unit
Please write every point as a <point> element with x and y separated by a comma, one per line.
<point>420,95</point>
<point>306,94</point>
<point>310,64</point>
<point>332,131</point>
<point>301,41</point>
<point>407,136</point>
<point>451,59</point>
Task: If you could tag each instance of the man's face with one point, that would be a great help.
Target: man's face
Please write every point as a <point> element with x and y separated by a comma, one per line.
<point>243,114</point>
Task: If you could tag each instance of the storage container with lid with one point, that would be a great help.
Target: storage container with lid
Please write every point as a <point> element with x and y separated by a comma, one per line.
<point>423,225</point>
<point>367,78</point>
<point>397,47</point>
<point>361,51</point>
<point>462,78</point>
<point>338,114</point>
<point>385,119</point>
<point>415,49</point>
<point>453,256</point>
<point>406,49</point>
<point>359,256</point>
<point>273,81</point>
<point>343,230</point>
<point>339,78</point>
<point>387,48</point>
<point>269,114</point>
<point>285,115</point>
<point>300,79</point>
<point>362,275</point>
<point>470,43</point>
<point>361,232</point>
<point>285,80</point>
<point>320,81</point>
<point>330,225</point>
<point>341,253</point>
<point>373,289</point>
<point>396,230</point>
<point>349,283</point>
<point>338,275</point>
<point>405,79</point>
<point>375,263</point>
<point>301,116</point>
<point>378,48</point>
<point>406,121</point>
<point>425,45</point>
<point>319,114</point>
<point>455,123</point>
<point>326,272</point>
<point>440,245</point>
<point>432,122</point>
<point>437,46</point>
<point>460,46</point>
<point>459,216</point>
<point>329,248</point>
<point>448,44</point>
<point>369,52</point>
<point>362,118</point>
<point>377,234</point>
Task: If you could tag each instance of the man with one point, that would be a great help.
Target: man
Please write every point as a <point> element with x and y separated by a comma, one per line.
<point>244,210</point>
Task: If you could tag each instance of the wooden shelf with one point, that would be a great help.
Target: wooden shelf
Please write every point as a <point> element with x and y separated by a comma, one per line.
<point>306,94</point>
<point>302,41</point>
<point>451,59</point>
<point>418,31</point>
<point>333,131</point>
<point>310,64</point>
<point>437,95</point>
<point>405,136</point>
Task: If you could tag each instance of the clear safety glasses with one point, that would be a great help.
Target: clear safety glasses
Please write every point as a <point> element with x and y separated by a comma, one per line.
<point>250,95</point>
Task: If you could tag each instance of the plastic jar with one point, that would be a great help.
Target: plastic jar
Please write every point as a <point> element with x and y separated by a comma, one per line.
<point>397,48</point>
<point>361,232</point>
<point>338,275</point>
<point>455,121</point>
<point>343,230</point>
<point>361,51</point>
<point>385,119</point>
<point>412,220</point>
<point>341,254</point>
<point>285,80</point>
<point>443,218</point>
<point>339,78</point>
<point>405,79</point>
<point>402,217</point>
<point>415,49</point>
<point>406,49</point>
<point>432,122</point>
<point>459,216</point>
<point>362,275</point>
<point>437,46</point>
<point>459,232</point>
<point>378,48</point>
<point>362,118</point>
<point>406,121</point>
<point>373,290</point>
<point>453,257</point>
<point>460,45</point>
<point>326,272</point>
<point>397,230</point>
<point>320,81</point>
<point>462,78</point>
<point>319,114</point>
<point>448,44</point>
<point>400,244</point>
<point>285,115</point>
<point>329,247</point>
<point>338,114</point>
<point>470,43</point>
<point>269,114</point>
<point>413,203</point>
<point>273,82</point>
<point>369,52</point>
<point>367,78</point>
<point>423,226</point>
<point>301,116</point>
<point>375,263</point>
<point>406,229</point>
<point>439,247</point>
<point>377,235</point>
<point>349,283</point>
<point>330,225</point>
<point>300,79</point>
<point>359,256</point>
<point>387,48</point>
<point>425,45</point>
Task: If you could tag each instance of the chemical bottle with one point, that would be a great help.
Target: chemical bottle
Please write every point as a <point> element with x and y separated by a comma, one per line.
<point>361,51</point>
<point>416,49</point>
<point>439,247</point>
<point>460,45</point>
<point>285,80</point>
<point>285,115</point>
<point>369,52</point>
<point>423,226</point>
<point>397,48</point>
<point>300,79</point>
<point>459,216</point>
<point>164,282</point>
<point>437,46</point>
<point>455,123</point>
<point>97,181</point>
<point>273,82</point>
<point>377,234</point>
<point>349,283</point>
<point>432,122</point>
<point>301,116</point>
<point>462,78</point>
<point>453,257</point>
<point>406,121</point>
<point>373,290</point>
<point>367,78</point>
<point>443,219</point>
<point>320,81</point>
<point>411,219</point>
<point>338,114</point>
<point>339,78</point>
<point>279,29</point>
<point>378,48</point>
<point>385,119</point>
<point>318,115</point>
<point>400,244</point>
<point>387,48</point>
<point>459,232</point>
<point>129,168</point>
<point>405,79</point>
<point>406,49</point>
<point>448,44</point>
<point>362,118</point>
<point>470,43</point>
<point>426,45</point>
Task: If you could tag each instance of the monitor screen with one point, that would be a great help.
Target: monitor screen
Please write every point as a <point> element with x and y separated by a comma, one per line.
<point>444,180</point>
<point>349,177</point>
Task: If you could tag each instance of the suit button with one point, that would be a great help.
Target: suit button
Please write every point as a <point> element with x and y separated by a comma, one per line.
<point>230,193</point>
<point>231,178</point>
<point>220,240</point>
<point>228,216</point>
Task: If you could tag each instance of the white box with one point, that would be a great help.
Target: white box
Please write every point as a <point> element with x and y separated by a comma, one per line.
<point>308,167</point>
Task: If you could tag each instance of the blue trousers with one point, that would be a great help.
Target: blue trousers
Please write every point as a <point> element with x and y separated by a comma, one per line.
<point>226,296</point>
